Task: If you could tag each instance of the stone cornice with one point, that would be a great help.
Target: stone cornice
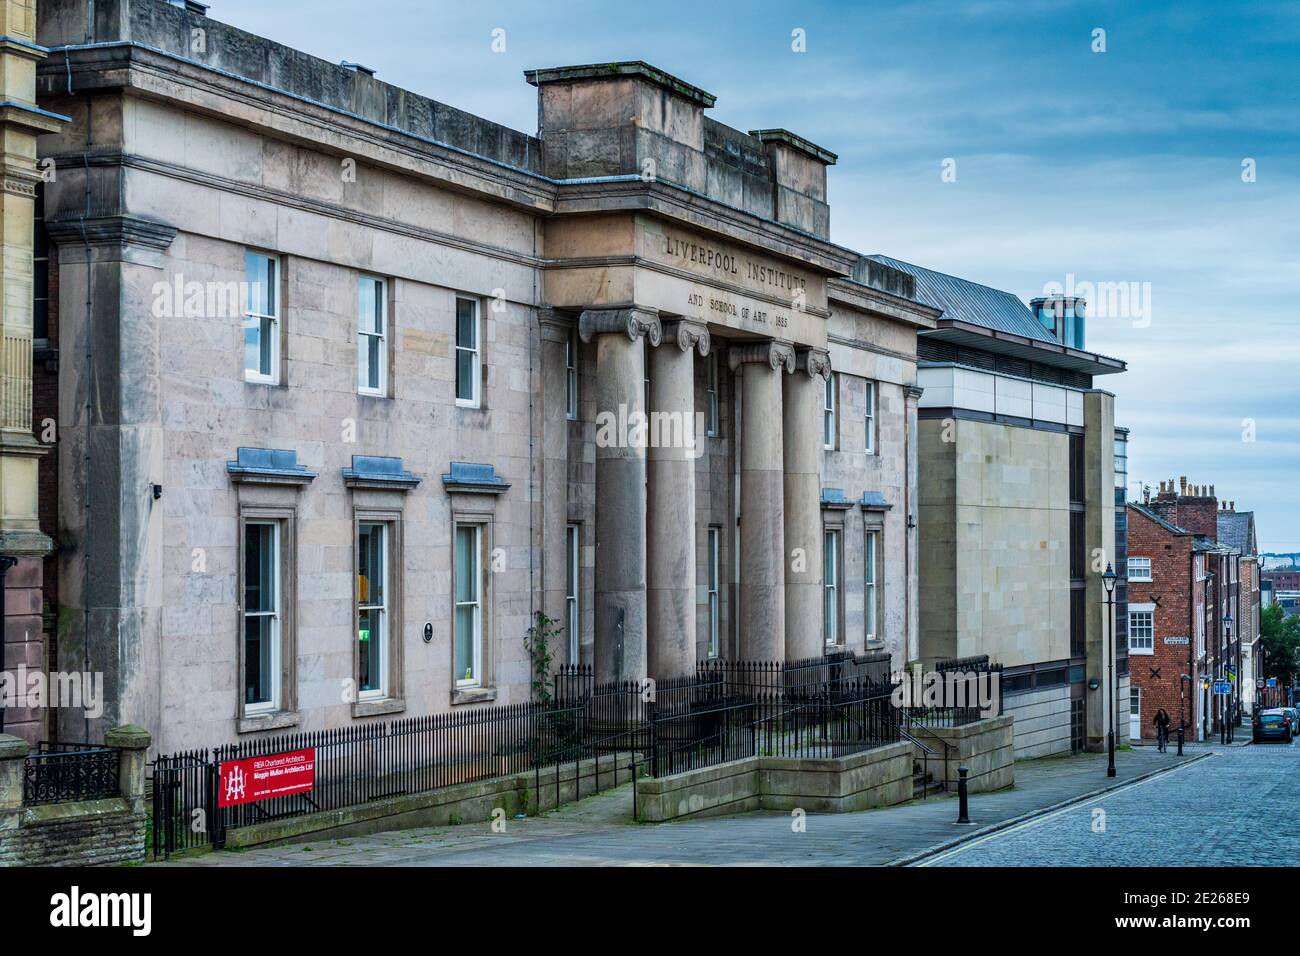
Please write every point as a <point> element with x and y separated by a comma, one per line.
<point>633,321</point>
<point>864,297</point>
<point>653,265</point>
<point>32,118</point>
<point>816,363</point>
<point>778,355</point>
<point>619,71</point>
<point>705,214</point>
<point>688,335</point>
<point>114,230</point>
<point>556,326</point>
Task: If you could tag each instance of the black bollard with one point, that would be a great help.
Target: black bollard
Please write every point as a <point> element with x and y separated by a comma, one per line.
<point>963,815</point>
<point>1180,741</point>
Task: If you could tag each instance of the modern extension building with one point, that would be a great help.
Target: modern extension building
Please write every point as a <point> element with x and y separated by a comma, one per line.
<point>347,384</point>
<point>1017,491</point>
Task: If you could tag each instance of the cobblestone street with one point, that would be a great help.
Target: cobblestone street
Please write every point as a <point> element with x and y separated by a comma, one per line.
<point>598,831</point>
<point>1235,809</point>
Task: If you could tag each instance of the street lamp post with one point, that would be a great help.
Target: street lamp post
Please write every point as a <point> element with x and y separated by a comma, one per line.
<point>1108,580</point>
<point>1230,720</point>
<point>1181,693</point>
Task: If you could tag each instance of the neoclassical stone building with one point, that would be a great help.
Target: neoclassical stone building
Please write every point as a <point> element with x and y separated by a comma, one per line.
<point>349,384</point>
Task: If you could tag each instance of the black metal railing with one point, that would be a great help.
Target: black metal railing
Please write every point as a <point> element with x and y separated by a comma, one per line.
<point>826,706</point>
<point>832,719</point>
<point>67,772</point>
<point>966,689</point>
<point>373,761</point>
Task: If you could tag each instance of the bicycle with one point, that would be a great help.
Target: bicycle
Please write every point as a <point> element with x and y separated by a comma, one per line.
<point>1162,739</point>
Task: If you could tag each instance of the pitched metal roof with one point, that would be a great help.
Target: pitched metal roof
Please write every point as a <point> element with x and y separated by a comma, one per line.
<point>1235,530</point>
<point>966,301</point>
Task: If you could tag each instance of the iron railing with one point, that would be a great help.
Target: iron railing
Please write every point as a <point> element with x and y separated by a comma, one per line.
<point>373,761</point>
<point>976,694</point>
<point>66,772</point>
<point>827,706</point>
<point>830,720</point>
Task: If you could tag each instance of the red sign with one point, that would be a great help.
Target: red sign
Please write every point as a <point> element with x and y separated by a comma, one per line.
<point>261,778</point>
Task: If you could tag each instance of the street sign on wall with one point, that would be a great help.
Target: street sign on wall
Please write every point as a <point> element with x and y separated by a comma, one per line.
<point>261,778</point>
<point>1222,687</point>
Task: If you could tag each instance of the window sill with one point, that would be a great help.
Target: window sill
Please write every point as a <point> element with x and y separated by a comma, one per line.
<point>257,380</point>
<point>473,406</point>
<point>473,695</point>
<point>1141,652</point>
<point>272,720</point>
<point>378,707</point>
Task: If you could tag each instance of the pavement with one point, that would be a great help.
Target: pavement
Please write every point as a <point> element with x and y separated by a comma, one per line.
<point>599,831</point>
<point>1237,808</point>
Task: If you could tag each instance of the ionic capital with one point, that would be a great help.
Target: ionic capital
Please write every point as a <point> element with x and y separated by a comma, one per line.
<point>778,355</point>
<point>815,362</point>
<point>632,322</point>
<point>689,335</point>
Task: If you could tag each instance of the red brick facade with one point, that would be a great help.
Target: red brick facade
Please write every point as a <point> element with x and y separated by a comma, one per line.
<point>1176,599</point>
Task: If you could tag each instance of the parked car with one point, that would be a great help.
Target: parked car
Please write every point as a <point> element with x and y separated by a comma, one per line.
<point>1277,723</point>
<point>1294,713</point>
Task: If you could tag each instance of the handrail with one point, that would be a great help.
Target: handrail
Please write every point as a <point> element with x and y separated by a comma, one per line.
<point>929,751</point>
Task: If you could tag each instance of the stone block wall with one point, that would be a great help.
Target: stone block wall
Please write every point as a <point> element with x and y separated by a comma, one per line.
<point>83,833</point>
<point>873,778</point>
<point>1042,721</point>
<point>985,748</point>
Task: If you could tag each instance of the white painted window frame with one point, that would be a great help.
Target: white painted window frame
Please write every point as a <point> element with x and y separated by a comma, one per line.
<point>364,336</point>
<point>870,583</point>
<point>272,319</point>
<point>830,418</point>
<point>870,421</point>
<point>573,588</point>
<point>1138,649</point>
<point>571,375</point>
<point>476,678</point>
<point>476,375</point>
<point>276,614</point>
<point>713,558</point>
<point>831,538</point>
<point>383,608</point>
<point>1140,578</point>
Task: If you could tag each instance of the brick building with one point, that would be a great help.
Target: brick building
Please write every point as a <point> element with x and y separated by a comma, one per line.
<point>1193,608</point>
<point>1166,608</point>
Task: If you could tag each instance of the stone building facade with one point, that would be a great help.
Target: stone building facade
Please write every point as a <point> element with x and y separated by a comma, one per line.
<point>349,382</point>
<point>23,544</point>
<point>1017,494</point>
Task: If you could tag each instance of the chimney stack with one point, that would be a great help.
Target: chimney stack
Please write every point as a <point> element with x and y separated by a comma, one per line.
<point>1182,484</point>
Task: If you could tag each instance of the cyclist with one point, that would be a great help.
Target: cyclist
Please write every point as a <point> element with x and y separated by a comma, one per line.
<point>1162,722</point>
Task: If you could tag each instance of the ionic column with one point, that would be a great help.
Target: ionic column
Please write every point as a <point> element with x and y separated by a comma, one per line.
<point>762,498</point>
<point>803,407</point>
<point>670,594</point>
<point>620,612</point>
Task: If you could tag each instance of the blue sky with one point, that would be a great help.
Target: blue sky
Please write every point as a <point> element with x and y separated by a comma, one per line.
<point>1123,166</point>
